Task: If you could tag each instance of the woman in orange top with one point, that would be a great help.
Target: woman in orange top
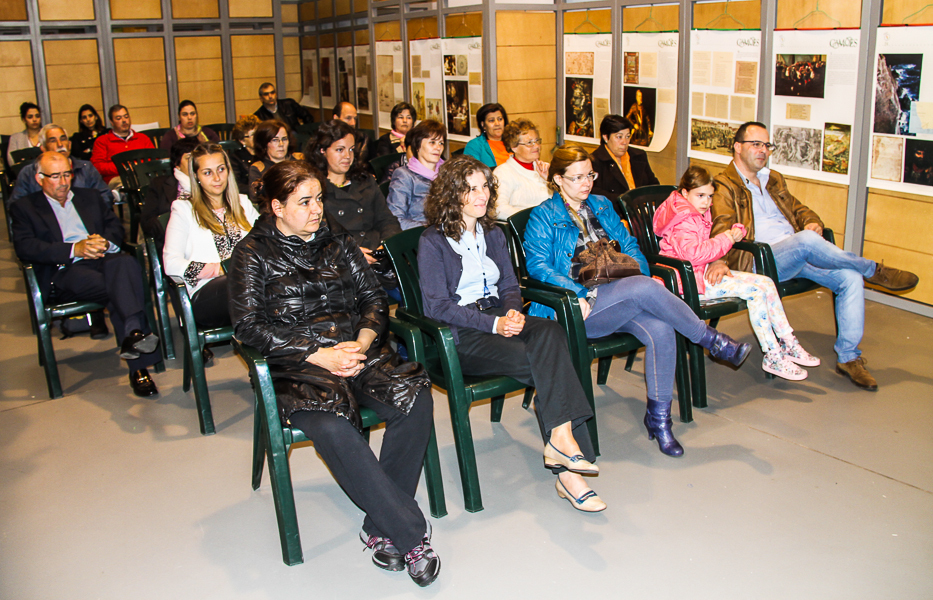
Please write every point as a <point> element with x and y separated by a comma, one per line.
<point>488,147</point>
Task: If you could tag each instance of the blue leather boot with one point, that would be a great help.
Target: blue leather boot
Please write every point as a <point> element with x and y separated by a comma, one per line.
<point>658,422</point>
<point>723,347</point>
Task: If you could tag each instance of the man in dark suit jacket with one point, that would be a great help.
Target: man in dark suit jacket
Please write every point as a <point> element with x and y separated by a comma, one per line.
<point>620,167</point>
<point>285,110</point>
<point>73,239</point>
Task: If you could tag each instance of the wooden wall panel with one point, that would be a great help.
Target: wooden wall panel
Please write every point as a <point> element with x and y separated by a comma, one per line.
<point>253,64</point>
<point>464,25</point>
<point>135,9</point>
<point>390,30</point>
<point>307,11</point>
<point>528,62</point>
<point>141,80</point>
<point>361,37</point>
<point>289,13</point>
<point>422,28</point>
<point>13,10</point>
<point>343,7</point>
<point>73,74</point>
<point>325,8</point>
<point>897,230</point>
<point>742,14</point>
<point>588,21</point>
<point>292,55</point>
<point>199,68</point>
<point>651,18</point>
<point>250,8</point>
<point>202,9</point>
<point>65,10</point>
<point>907,12</point>
<point>344,39</point>
<point>15,61</point>
<point>818,14</point>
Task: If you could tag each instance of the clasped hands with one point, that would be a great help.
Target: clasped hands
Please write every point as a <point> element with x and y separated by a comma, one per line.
<point>346,359</point>
<point>511,324</point>
<point>94,246</point>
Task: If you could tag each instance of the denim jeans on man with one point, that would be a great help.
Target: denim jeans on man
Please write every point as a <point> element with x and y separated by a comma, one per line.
<point>806,254</point>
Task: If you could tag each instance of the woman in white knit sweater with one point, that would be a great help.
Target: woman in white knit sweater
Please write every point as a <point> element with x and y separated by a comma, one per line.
<point>523,178</point>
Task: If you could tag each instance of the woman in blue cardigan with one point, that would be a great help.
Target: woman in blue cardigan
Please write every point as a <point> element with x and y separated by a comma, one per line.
<point>558,231</point>
<point>488,147</point>
<point>468,283</point>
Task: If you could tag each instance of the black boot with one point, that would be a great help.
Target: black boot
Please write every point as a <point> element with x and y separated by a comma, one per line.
<point>723,347</point>
<point>658,422</point>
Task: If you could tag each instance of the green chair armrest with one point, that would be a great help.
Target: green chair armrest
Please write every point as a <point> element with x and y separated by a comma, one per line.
<point>690,293</point>
<point>444,340</point>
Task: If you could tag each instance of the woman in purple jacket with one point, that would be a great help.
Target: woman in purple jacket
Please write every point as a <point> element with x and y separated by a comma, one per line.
<point>467,282</point>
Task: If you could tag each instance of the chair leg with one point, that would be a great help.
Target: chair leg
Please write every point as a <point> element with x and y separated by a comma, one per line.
<point>201,396</point>
<point>466,454</point>
<point>602,369</point>
<point>284,498</point>
<point>165,326</point>
<point>630,360</point>
<point>529,396</point>
<point>495,409</point>
<point>683,381</point>
<point>698,375</point>
<point>586,381</point>
<point>47,360</point>
<point>433,480</point>
<point>259,443</point>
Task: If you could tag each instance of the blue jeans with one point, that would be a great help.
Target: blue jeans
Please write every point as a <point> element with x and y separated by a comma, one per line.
<point>806,254</point>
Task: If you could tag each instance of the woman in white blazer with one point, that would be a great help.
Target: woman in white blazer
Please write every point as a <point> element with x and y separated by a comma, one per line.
<point>523,178</point>
<point>202,233</point>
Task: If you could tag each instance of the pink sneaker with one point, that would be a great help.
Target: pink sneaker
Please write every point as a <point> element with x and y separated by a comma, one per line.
<point>795,353</point>
<point>775,363</point>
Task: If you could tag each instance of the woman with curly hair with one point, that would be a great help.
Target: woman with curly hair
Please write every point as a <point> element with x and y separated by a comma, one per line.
<point>523,178</point>
<point>468,283</point>
<point>270,141</point>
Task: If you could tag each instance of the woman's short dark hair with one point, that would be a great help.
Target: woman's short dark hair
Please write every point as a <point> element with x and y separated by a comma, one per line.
<point>185,103</point>
<point>327,135</point>
<point>280,181</point>
<point>694,177</point>
<point>265,132</point>
<point>244,125</point>
<point>614,124</point>
<point>100,125</point>
<point>443,206</point>
<point>486,110</point>
<point>182,147</point>
<point>425,130</point>
<point>397,110</point>
<point>25,107</point>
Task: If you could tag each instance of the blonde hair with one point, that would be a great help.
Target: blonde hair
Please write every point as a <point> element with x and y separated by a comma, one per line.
<point>565,155</point>
<point>203,214</point>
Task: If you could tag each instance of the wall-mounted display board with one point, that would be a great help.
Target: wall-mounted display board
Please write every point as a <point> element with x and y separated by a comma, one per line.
<point>813,108</point>
<point>427,63</point>
<point>346,82</point>
<point>902,116</point>
<point>587,85</point>
<point>310,67</point>
<point>724,75</point>
<point>649,87</point>
<point>327,73</point>
<point>463,88</point>
<point>389,82</point>
<point>364,87</point>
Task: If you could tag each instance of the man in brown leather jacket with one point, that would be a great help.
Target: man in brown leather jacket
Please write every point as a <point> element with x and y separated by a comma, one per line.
<point>749,193</point>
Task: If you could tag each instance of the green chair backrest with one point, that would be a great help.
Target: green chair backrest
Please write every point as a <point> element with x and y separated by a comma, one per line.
<point>517,225</point>
<point>638,208</point>
<point>4,146</point>
<point>230,146</point>
<point>457,152</point>
<point>155,135</point>
<point>127,161</point>
<point>381,163</point>
<point>147,171</point>
<point>384,188</point>
<point>370,133</point>
<point>25,155</point>
<point>403,250</point>
<point>223,130</point>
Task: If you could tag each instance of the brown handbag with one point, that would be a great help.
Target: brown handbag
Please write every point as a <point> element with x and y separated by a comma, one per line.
<point>603,261</point>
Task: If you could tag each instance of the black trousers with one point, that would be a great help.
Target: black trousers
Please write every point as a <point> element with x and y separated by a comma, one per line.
<point>383,488</point>
<point>538,356</point>
<point>210,305</point>
<point>115,281</point>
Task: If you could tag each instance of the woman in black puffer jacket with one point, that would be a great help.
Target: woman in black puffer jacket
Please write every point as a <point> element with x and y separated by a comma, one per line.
<point>305,297</point>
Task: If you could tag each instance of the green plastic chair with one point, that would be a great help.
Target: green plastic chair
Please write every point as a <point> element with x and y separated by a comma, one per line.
<point>126,163</point>
<point>638,208</point>
<point>42,313</point>
<point>443,364</point>
<point>273,441</point>
<point>384,188</point>
<point>196,339</point>
<point>600,349</point>
<point>223,130</point>
<point>160,293</point>
<point>25,155</point>
<point>381,163</point>
<point>230,146</point>
<point>155,135</point>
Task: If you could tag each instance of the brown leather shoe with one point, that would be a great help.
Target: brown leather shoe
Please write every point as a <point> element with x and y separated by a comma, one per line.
<point>891,279</point>
<point>856,371</point>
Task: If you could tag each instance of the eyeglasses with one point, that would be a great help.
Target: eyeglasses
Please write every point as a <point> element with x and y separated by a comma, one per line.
<point>529,143</point>
<point>279,140</point>
<point>578,178</point>
<point>759,145</point>
<point>58,176</point>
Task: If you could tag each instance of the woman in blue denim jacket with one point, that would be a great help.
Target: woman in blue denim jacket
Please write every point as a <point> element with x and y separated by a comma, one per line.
<point>558,231</point>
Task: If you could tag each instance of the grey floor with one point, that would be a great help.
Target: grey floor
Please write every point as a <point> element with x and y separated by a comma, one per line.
<point>787,490</point>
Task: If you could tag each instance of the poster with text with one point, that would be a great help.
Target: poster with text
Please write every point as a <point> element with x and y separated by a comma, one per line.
<point>724,73</point>
<point>587,85</point>
<point>364,87</point>
<point>902,111</point>
<point>813,108</point>
<point>309,67</point>
<point>346,84</point>
<point>427,63</point>
<point>327,62</point>
<point>390,90</point>
<point>463,88</point>
<point>649,91</point>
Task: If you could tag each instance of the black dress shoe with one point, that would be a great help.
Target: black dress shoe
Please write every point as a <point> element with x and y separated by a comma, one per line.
<point>137,343</point>
<point>99,329</point>
<point>142,384</point>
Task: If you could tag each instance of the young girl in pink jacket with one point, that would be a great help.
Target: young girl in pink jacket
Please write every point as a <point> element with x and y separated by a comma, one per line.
<point>683,222</point>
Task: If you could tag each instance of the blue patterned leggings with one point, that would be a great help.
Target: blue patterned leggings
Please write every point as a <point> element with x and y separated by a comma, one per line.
<point>765,310</point>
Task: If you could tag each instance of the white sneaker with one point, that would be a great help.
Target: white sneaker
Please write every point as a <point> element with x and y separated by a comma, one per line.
<point>775,363</point>
<point>795,353</point>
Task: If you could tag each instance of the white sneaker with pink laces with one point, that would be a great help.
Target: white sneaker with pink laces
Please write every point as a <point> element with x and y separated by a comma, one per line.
<point>775,363</point>
<point>795,353</point>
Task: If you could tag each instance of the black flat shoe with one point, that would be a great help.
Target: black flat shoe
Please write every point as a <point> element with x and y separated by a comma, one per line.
<point>137,343</point>
<point>142,384</point>
<point>99,329</point>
